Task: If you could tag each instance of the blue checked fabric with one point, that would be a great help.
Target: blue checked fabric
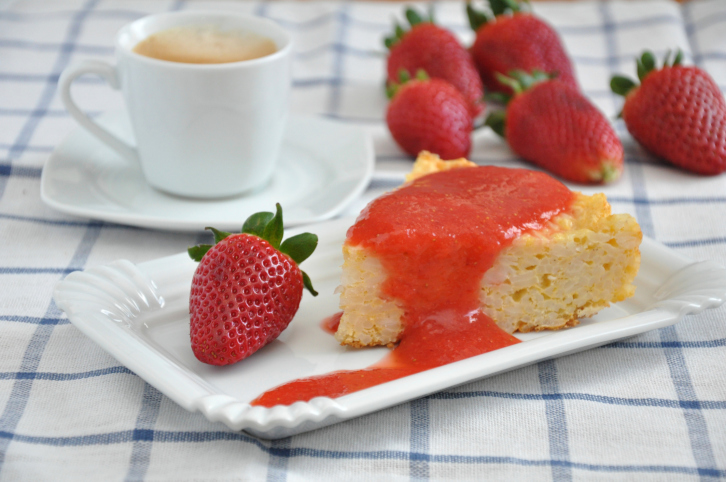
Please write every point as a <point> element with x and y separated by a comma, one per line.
<point>648,408</point>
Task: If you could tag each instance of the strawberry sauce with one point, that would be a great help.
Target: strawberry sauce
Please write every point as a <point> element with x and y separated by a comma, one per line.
<point>436,238</point>
<point>331,323</point>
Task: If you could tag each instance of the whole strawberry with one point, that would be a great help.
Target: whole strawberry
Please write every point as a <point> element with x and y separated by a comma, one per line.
<point>515,39</point>
<point>435,50</point>
<point>551,124</point>
<point>430,115</point>
<point>678,113</point>
<point>246,289</point>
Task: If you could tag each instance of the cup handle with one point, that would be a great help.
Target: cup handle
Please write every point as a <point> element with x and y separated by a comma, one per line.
<point>107,72</point>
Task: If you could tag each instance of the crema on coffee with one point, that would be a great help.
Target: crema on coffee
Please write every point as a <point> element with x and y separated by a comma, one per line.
<point>205,45</point>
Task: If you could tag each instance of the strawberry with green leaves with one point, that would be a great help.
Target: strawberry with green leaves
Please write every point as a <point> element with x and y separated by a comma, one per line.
<point>551,124</point>
<point>435,50</point>
<point>515,39</point>
<point>677,112</point>
<point>429,115</point>
<point>247,288</point>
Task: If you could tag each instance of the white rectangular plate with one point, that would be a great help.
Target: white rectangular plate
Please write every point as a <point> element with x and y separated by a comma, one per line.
<point>139,314</point>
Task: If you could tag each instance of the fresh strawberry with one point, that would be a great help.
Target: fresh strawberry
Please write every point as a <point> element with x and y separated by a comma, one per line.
<point>678,113</point>
<point>430,115</point>
<point>246,289</point>
<point>435,50</point>
<point>515,39</point>
<point>551,124</point>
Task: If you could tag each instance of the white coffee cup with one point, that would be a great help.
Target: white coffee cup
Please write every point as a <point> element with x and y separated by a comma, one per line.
<point>201,130</point>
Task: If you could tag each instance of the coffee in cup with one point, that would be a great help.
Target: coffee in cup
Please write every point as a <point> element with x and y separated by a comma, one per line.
<point>205,44</point>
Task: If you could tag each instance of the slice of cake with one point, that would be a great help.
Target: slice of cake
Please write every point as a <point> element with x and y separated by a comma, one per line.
<point>513,244</point>
<point>450,264</point>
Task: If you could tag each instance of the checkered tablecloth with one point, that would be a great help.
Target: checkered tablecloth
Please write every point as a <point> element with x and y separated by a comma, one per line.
<point>648,408</point>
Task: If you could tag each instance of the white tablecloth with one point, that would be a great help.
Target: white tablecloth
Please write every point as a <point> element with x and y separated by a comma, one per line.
<point>648,408</point>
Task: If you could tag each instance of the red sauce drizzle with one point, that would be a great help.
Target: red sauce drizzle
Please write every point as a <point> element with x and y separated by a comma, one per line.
<point>331,323</point>
<point>436,238</point>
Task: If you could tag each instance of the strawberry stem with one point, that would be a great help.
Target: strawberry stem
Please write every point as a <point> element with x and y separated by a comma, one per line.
<point>519,80</point>
<point>646,64</point>
<point>256,223</point>
<point>608,172</point>
<point>499,97</point>
<point>391,89</point>
<point>509,82</point>
<point>300,247</point>
<point>269,227</point>
<point>273,231</point>
<point>308,284</point>
<point>679,58</point>
<point>218,235</point>
<point>414,18</point>
<point>621,85</point>
<point>477,18</point>
<point>648,60</point>
<point>667,58</point>
<point>500,7</point>
<point>198,252</point>
<point>404,76</point>
<point>497,121</point>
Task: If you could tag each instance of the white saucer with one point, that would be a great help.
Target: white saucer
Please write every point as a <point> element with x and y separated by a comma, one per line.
<point>323,165</point>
